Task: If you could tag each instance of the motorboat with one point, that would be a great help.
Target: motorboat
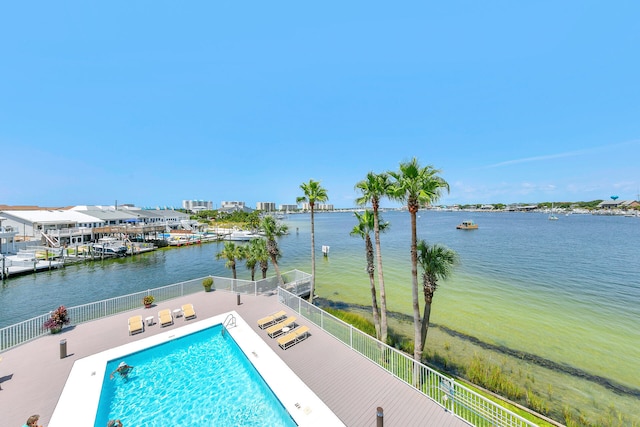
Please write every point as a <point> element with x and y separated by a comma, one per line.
<point>109,246</point>
<point>241,235</point>
<point>467,225</point>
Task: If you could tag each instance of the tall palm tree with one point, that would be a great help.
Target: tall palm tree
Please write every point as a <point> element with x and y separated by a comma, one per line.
<point>363,229</point>
<point>373,188</point>
<point>313,193</point>
<point>437,263</point>
<point>416,185</point>
<point>272,230</point>
<point>231,253</point>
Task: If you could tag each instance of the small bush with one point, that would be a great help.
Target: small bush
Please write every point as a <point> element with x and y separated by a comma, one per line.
<point>207,282</point>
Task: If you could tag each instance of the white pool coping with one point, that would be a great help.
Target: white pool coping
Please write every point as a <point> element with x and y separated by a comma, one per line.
<point>80,396</point>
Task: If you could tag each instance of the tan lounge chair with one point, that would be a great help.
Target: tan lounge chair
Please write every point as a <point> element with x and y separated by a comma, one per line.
<point>165,318</point>
<point>272,319</point>
<point>293,337</point>
<point>135,325</point>
<point>188,312</point>
<point>276,330</point>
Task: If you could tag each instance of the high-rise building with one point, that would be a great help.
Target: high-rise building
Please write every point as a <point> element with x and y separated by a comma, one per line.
<point>266,206</point>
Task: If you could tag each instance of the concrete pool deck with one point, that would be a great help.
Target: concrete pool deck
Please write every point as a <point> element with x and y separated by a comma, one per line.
<point>33,375</point>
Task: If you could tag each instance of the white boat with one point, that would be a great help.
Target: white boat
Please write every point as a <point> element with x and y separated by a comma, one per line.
<point>241,236</point>
<point>109,246</point>
<point>24,258</point>
<point>552,216</point>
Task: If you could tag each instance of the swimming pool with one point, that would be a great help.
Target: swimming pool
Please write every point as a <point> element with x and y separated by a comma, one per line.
<point>78,404</point>
<point>200,379</point>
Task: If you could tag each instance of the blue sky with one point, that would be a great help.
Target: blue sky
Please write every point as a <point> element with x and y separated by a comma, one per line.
<point>153,102</point>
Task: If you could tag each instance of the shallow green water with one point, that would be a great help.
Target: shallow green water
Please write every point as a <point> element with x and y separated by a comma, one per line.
<point>565,290</point>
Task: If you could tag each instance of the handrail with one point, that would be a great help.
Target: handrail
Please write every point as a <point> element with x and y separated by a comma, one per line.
<point>461,401</point>
<point>19,333</point>
<point>446,392</point>
<point>230,320</point>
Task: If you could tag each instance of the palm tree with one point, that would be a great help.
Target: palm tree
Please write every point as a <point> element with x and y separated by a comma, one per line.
<point>262,256</point>
<point>416,185</point>
<point>251,252</point>
<point>313,193</point>
<point>257,254</point>
<point>253,221</point>
<point>231,253</point>
<point>272,229</point>
<point>363,229</point>
<point>437,263</point>
<point>373,188</point>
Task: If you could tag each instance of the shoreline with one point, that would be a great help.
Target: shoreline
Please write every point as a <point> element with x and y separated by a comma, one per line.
<point>559,391</point>
<point>540,361</point>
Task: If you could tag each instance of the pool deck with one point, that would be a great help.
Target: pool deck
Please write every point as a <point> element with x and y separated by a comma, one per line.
<point>33,375</point>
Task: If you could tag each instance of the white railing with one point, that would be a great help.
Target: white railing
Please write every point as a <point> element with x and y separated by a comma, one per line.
<point>446,392</point>
<point>28,330</point>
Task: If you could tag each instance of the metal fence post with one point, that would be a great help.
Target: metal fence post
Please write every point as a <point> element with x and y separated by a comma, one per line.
<point>351,336</point>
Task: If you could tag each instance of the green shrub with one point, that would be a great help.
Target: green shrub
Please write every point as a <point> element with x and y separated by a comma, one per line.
<point>207,282</point>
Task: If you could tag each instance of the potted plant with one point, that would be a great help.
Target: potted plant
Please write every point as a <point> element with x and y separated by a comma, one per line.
<point>207,282</point>
<point>148,300</point>
<point>59,317</point>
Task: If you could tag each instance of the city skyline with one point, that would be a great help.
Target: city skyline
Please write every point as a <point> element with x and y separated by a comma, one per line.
<point>151,104</point>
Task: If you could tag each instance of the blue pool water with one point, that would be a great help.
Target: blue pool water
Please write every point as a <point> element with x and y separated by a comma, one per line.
<point>201,379</point>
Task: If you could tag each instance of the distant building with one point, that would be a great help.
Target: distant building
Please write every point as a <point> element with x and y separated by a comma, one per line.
<point>634,204</point>
<point>85,223</point>
<point>317,207</point>
<point>288,208</point>
<point>623,204</point>
<point>31,224</point>
<point>266,206</point>
<point>519,208</point>
<point>197,205</point>
<point>229,207</point>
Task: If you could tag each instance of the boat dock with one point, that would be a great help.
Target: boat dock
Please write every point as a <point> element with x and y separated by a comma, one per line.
<point>13,266</point>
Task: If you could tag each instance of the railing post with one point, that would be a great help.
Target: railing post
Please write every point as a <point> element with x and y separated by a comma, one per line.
<point>351,336</point>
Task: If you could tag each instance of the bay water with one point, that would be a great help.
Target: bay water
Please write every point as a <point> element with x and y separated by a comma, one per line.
<point>567,291</point>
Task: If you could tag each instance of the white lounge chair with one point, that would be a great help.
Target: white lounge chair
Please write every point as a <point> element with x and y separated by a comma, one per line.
<point>165,318</point>
<point>274,318</point>
<point>136,325</point>
<point>277,329</point>
<point>188,312</point>
<point>293,337</point>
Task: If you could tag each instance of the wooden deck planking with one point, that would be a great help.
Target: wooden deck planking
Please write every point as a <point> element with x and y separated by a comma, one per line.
<point>32,375</point>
